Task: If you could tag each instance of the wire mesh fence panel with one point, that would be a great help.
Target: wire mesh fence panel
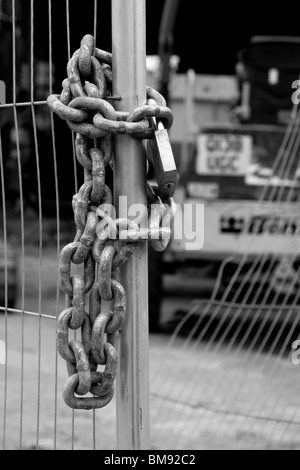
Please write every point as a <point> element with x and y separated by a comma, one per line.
<point>39,175</point>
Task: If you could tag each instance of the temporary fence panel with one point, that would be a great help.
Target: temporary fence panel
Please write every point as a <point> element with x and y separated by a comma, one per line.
<point>39,175</point>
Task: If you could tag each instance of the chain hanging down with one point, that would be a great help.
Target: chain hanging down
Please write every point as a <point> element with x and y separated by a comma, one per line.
<point>102,244</point>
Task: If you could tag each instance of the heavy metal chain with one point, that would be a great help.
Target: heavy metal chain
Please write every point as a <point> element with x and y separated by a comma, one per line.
<point>99,247</point>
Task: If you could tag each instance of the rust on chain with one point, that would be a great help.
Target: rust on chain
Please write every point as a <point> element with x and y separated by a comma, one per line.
<point>152,111</point>
<point>103,56</point>
<point>81,205</point>
<point>78,302</point>
<point>87,129</point>
<point>121,127</point>
<point>105,273</point>
<point>85,403</point>
<point>157,211</point>
<point>98,77</point>
<point>119,307</point>
<point>98,175</point>
<point>91,90</point>
<point>152,198</point>
<point>159,237</point>
<point>66,94</point>
<point>108,77</point>
<point>68,301</point>
<point>109,232</point>
<point>108,197</point>
<point>74,76</point>
<point>89,272</point>
<point>170,213</point>
<point>82,367</point>
<point>109,373</point>
<point>102,243</point>
<point>154,95</point>
<point>81,254</point>
<point>113,339</point>
<point>95,104</point>
<point>81,147</point>
<point>123,255</point>
<point>105,209</point>
<point>122,115</point>
<point>162,215</point>
<point>81,202</point>
<point>106,148</point>
<point>98,339</point>
<point>95,303</point>
<point>62,335</point>
<point>71,368</point>
<point>85,55</point>
<point>107,322</point>
<point>65,83</point>
<point>78,231</point>
<point>64,268</point>
<point>66,112</point>
<point>87,175</point>
<point>89,234</point>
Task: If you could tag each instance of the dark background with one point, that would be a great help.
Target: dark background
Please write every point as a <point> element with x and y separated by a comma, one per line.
<point>207,35</point>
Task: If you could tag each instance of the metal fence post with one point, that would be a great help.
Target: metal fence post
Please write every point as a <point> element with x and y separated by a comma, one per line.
<point>129,81</point>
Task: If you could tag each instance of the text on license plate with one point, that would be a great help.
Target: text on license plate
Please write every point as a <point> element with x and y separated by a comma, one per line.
<point>221,154</point>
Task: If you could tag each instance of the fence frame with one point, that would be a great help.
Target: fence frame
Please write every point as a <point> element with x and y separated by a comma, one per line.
<point>129,82</point>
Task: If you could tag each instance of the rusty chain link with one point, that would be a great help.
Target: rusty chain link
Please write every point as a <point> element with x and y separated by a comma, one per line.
<point>84,105</point>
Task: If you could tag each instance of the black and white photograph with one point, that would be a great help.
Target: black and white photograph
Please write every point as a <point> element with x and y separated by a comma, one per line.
<point>149,228</point>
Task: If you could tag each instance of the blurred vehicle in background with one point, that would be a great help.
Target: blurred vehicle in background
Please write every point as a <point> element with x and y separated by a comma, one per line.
<point>235,142</point>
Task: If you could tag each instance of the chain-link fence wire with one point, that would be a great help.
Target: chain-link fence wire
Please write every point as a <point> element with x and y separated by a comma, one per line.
<point>39,176</point>
<point>253,322</point>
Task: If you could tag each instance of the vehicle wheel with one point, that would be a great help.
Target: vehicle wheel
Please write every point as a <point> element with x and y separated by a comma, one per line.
<point>155,290</point>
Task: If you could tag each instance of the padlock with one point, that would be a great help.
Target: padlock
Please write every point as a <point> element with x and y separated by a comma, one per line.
<point>161,155</point>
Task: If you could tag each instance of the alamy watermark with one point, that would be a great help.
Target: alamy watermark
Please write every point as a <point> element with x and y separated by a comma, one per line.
<point>296,353</point>
<point>185,223</point>
<point>296,94</point>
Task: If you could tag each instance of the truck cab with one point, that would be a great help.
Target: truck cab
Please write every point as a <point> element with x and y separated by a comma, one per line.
<point>235,139</point>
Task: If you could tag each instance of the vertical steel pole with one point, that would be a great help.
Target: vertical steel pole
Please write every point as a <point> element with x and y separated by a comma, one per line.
<point>129,81</point>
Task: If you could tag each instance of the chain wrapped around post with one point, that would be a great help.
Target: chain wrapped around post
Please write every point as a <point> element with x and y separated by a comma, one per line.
<point>102,244</point>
